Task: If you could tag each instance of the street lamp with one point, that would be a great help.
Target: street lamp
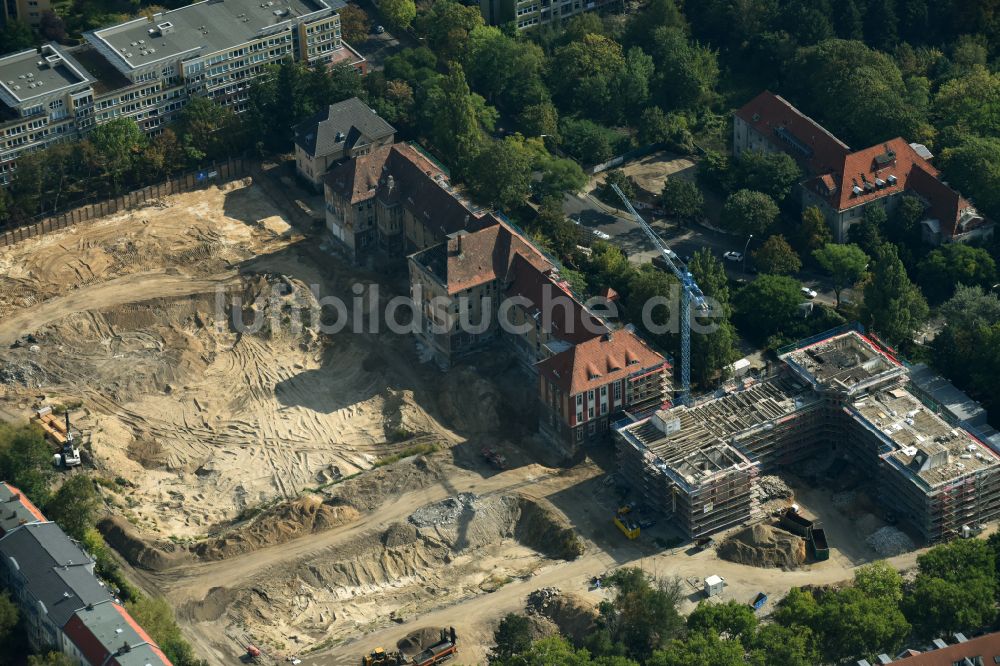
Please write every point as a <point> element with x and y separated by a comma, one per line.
<point>745,247</point>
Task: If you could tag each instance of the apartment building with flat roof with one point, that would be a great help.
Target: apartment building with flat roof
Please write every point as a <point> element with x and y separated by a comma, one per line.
<point>148,68</point>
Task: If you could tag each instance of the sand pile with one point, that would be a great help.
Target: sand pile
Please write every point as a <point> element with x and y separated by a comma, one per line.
<point>281,523</point>
<point>575,616</point>
<point>368,491</point>
<point>393,573</point>
<point>764,546</point>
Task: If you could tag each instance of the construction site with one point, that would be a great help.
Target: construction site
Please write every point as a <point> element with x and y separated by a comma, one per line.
<point>841,394</point>
<point>319,497</point>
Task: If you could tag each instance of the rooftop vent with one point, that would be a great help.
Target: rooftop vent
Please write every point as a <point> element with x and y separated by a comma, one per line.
<point>891,179</point>
<point>165,28</point>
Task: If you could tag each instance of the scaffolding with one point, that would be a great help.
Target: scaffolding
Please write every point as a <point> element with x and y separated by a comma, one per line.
<point>700,463</point>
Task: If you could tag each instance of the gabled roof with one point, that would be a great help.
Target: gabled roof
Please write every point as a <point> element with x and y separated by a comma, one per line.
<point>469,259</point>
<point>553,305</point>
<point>357,179</point>
<point>106,634</point>
<point>57,573</point>
<point>598,361</point>
<point>16,509</point>
<point>341,126</point>
<point>794,132</point>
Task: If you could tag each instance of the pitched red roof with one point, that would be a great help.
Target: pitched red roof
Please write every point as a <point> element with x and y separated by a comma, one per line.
<point>485,255</point>
<point>794,132</point>
<point>598,361</point>
<point>102,632</point>
<point>561,314</point>
<point>986,646</point>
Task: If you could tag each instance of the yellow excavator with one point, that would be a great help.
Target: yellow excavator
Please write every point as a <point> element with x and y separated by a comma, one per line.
<point>379,657</point>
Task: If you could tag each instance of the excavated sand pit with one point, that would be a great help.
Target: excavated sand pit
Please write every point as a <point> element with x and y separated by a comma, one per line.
<point>443,553</point>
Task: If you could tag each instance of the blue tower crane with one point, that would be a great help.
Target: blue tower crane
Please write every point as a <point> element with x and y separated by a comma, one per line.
<point>691,294</point>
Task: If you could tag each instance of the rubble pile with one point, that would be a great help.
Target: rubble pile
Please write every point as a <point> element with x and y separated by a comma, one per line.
<point>772,487</point>
<point>889,542</point>
<point>540,599</point>
<point>25,373</point>
<point>445,512</point>
<point>764,546</point>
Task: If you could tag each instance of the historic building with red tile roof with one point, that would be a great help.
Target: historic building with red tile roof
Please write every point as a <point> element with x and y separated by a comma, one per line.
<point>394,200</point>
<point>843,183</point>
<point>493,286</point>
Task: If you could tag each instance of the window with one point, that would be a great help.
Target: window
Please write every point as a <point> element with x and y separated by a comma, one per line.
<point>618,390</point>
<point>591,428</point>
<point>579,398</point>
<point>590,395</point>
<point>590,412</point>
<point>579,434</point>
<point>604,390</point>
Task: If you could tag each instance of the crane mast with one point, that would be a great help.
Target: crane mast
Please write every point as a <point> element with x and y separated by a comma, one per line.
<point>691,294</point>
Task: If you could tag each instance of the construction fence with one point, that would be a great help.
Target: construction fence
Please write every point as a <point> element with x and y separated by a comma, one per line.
<point>195,180</point>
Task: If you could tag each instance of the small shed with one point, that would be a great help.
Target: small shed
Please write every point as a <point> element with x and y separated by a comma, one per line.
<point>740,367</point>
<point>714,585</point>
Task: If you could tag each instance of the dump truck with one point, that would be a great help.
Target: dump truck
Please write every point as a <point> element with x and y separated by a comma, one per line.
<point>626,523</point>
<point>795,523</point>
<point>60,434</point>
<point>379,657</point>
<point>817,542</point>
<point>441,651</point>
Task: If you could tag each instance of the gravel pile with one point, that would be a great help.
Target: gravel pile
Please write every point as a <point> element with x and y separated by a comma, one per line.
<point>844,499</point>
<point>445,512</point>
<point>540,599</point>
<point>889,542</point>
<point>772,487</point>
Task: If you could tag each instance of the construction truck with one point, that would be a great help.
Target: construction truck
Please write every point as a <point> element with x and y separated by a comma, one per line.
<point>626,523</point>
<point>379,657</point>
<point>443,650</point>
<point>494,458</point>
<point>60,434</point>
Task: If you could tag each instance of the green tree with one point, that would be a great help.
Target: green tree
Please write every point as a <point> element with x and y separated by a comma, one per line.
<point>563,235</point>
<point>586,140</point>
<point>712,352</point>
<point>25,461</point>
<point>869,234</point>
<point>670,129</point>
<point>955,588</point>
<point>767,306</point>
<point>609,267</point>
<point>540,120</point>
<point>699,648</point>
<point>399,14</point>
<point>16,36</point>
<point>643,614</point>
<point>776,256</point>
<point>776,644</point>
<point>970,104</point>
<point>686,72</point>
<point>501,173</point>
<point>879,580</point>
<point>773,173</point>
<point>856,91</point>
<point>512,637</point>
<point>452,115</point>
<point>654,15</point>
<point>447,25</point>
<point>893,305</point>
<point>8,617</point>
<point>904,227</point>
<point>624,183</point>
<point>846,264</point>
<point>74,506</point>
<point>814,232</point>
<point>856,626</point>
<point>157,618</point>
<point>354,24</point>
<point>585,76</point>
<point>973,168</point>
<point>682,200</point>
<point>749,212</point>
<point>206,129</point>
<point>117,143</point>
<point>953,264</point>
<point>731,618</point>
<point>558,176</point>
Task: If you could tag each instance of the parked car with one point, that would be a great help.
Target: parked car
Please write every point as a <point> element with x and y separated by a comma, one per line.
<point>600,234</point>
<point>808,293</point>
<point>379,30</point>
<point>733,256</point>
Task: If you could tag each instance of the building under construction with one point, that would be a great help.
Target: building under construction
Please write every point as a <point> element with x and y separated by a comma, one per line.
<point>841,393</point>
